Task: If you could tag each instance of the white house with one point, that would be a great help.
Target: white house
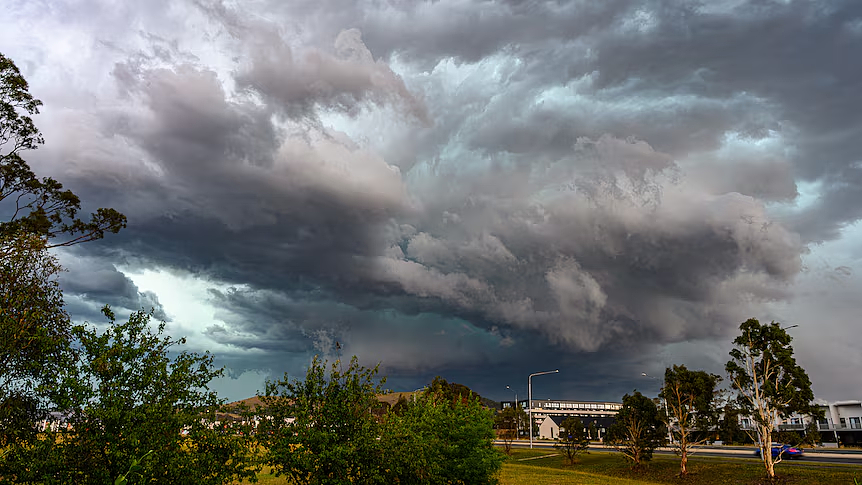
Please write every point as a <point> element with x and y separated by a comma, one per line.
<point>550,427</point>
<point>600,413</point>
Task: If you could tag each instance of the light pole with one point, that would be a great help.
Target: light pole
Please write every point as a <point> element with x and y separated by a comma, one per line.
<point>517,414</point>
<point>530,398</point>
<point>666,409</point>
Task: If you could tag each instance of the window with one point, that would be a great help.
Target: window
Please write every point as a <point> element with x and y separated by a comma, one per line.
<point>843,423</point>
<point>856,423</point>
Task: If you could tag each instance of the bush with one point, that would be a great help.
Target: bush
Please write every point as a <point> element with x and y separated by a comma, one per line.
<point>443,436</point>
<point>126,399</point>
<point>442,439</point>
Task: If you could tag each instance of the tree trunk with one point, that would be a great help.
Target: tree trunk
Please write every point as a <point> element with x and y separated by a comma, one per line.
<point>683,449</point>
<point>766,453</point>
<point>770,465</point>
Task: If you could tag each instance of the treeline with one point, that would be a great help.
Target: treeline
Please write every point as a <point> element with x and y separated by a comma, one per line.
<point>767,385</point>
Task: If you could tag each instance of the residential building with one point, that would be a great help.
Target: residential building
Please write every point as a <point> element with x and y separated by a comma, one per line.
<point>842,422</point>
<point>600,413</point>
<point>550,426</point>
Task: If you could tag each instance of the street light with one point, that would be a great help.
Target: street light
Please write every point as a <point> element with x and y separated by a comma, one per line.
<point>530,398</point>
<point>517,414</point>
<point>666,409</point>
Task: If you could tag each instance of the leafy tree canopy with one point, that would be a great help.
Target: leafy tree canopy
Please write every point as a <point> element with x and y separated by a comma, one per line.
<point>321,430</point>
<point>34,334</point>
<point>441,439</point>
<point>126,398</point>
<point>638,430</point>
<point>573,439</point>
<point>509,422</point>
<point>28,204</point>
<point>770,384</point>
<point>691,400</point>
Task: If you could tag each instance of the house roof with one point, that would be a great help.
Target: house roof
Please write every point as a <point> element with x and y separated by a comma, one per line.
<point>558,420</point>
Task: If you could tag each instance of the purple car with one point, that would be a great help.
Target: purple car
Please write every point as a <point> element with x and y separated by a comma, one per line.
<point>786,451</point>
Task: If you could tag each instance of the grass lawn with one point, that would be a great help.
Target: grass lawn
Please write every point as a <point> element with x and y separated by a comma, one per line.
<point>544,467</point>
<point>601,467</point>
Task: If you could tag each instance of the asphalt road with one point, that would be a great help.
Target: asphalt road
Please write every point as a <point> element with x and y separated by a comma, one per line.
<point>811,458</point>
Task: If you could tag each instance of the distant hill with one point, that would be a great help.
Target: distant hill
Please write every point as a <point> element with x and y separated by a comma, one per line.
<point>389,398</point>
<point>250,402</point>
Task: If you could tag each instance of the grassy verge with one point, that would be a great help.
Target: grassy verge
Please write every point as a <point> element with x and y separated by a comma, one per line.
<point>663,469</point>
<point>545,467</point>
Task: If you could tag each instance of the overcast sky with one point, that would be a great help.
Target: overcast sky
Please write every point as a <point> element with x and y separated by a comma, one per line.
<point>475,189</point>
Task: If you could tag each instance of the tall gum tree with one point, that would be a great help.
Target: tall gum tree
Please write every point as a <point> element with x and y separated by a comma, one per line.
<point>770,385</point>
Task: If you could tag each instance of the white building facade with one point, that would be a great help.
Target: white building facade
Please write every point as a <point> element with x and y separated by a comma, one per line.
<point>601,414</point>
<point>842,422</point>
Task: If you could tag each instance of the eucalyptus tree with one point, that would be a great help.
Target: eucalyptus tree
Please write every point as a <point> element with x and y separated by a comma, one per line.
<point>638,430</point>
<point>770,384</point>
<point>692,405</point>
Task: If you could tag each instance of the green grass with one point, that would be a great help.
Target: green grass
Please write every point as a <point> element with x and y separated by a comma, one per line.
<point>600,468</point>
<point>663,469</point>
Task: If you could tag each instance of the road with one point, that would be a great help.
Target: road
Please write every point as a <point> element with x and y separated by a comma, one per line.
<point>817,458</point>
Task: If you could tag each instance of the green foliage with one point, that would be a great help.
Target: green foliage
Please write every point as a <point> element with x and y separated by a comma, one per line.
<point>134,467</point>
<point>812,434</point>
<point>449,391</point>
<point>442,438</point>
<point>638,429</point>
<point>792,438</point>
<point>729,431</point>
<point>321,430</point>
<point>690,397</point>
<point>126,396</point>
<point>508,422</point>
<point>34,328</point>
<point>37,206</point>
<point>34,334</point>
<point>770,385</point>
<point>573,439</point>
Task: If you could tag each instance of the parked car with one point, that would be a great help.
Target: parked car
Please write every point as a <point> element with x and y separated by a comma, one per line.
<point>786,451</point>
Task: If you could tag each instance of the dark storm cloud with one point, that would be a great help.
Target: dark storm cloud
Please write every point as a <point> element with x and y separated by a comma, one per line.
<point>461,183</point>
<point>103,285</point>
<point>687,73</point>
<point>580,244</point>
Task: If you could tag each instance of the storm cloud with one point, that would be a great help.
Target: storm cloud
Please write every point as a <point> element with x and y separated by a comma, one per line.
<point>451,186</point>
